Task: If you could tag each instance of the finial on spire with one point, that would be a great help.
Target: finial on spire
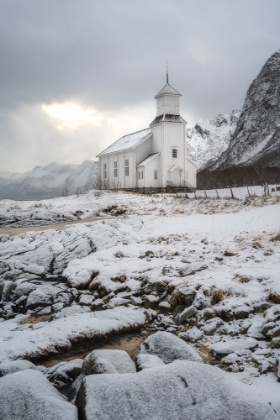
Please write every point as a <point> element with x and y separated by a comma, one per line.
<point>167,72</point>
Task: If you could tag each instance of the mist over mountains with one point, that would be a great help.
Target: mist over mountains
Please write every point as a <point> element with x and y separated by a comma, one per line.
<point>53,180</point>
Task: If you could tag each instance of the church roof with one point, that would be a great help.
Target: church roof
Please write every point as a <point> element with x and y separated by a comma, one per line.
<point>148,159</point>
<point>168,118</point>
<point>130,141</point>
<point>167,90</point>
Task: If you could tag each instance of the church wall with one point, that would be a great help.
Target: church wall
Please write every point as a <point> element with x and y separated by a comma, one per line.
<point>191,168</point>
<point>174,137</point>
<point>143,150</point>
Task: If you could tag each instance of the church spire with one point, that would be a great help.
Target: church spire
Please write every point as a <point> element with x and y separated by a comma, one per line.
<point>167,81</point>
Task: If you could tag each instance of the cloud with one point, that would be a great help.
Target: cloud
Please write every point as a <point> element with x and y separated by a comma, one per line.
<point>96,66</point>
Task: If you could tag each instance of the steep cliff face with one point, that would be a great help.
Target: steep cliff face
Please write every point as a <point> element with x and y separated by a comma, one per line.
<point>209,138</point>
<point>256,139</point>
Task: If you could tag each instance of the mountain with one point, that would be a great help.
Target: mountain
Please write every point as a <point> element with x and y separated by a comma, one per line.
<point>256,140</point>
<point>209,138</point>
<point>53,180</point>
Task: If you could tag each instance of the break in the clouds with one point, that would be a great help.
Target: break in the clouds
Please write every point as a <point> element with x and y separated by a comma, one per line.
<point>77,75</point>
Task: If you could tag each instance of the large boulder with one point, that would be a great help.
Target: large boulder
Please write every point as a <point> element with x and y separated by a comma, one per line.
<point>168,348</point>
<point>28,395</point>
<point>108,361</point>
<point>181,390</point>
<point>6,368</point>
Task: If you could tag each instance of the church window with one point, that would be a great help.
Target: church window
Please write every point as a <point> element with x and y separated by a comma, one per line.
<point>139,174</point>
<point>115,169</point>
<point>104,170</point>
<point>155,174</point>
<point>126,167</point>
<point>174,152</point>
<point>142,175</point>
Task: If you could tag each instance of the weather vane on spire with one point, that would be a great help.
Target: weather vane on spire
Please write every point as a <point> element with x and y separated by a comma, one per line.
<point>167,72</point>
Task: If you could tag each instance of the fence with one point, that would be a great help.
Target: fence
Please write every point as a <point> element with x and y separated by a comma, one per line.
<point>238,192</point>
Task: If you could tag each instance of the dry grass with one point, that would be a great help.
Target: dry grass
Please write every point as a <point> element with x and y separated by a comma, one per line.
<point>33,319</point>
<point>273,297</point>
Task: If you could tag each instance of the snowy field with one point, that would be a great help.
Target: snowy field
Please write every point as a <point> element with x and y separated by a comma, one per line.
<point>206,270</point>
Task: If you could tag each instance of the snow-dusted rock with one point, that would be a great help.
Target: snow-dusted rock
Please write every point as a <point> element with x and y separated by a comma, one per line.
<point>209,138</point>
<point>181,390</point>
<point>65,373</point>
<point>26,341</point>
<point>29,395</point>
<point>193,334</point>
<point>187,313</point>
<point>256,138</point>
<point>148,361</point>
<point>42,296</point>
<point>108,361</point>
<point>6,368</point>
<point>168,348</point>
<point>192,268</point>
<point>233,345</point>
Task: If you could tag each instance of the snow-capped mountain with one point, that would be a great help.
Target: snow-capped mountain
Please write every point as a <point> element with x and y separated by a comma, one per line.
<point>50,181</point>
<point>256,140</point>
<point>209,138</point>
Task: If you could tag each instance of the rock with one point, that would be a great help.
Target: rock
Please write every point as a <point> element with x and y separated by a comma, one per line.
<point>97,305</point>
<point>193,334</point>
<point>230,359</point>
<point>255,330</point>
<point>29,395</point>
<point>108,361</point>
<point>148,361</point>
<point>71,310</point>
<point>7,289</point>
<point>6,368</point>
<point>230,252</point>
<point>87,300</point>
<point>151,301</point>
<point>135,300</point>
<point>65,373</point>
<point>164,306</point>
<point>212,325</point>
<point>275,343</point>
<point>233,345</point>
<point>42,296</point>
<point>192,269</point>
<point>181,390</point>
<point>187,313</point>
<point>256,138</point>
<point>150,314</point>
<point>168,348</point>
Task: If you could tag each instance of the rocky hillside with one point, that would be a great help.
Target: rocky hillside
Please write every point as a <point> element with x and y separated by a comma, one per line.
<point>256,140</point>
<point>210,138</point>
<point>53,180</point>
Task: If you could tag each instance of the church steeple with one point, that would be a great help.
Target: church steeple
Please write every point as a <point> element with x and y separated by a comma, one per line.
<point>168,99</point>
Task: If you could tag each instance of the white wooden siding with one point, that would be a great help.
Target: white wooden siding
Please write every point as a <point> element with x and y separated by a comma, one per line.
<point>168,104</point>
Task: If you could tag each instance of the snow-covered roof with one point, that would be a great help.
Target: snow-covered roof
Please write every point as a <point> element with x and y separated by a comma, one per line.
<point>167,90</point>
<point>168,118</point>
<point>148,159</point>
<point>130,141</point>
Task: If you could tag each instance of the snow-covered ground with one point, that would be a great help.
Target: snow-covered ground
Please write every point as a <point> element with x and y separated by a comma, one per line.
<point>206,269</point>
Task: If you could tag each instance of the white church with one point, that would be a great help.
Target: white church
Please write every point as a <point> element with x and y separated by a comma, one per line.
<point>155,158</point>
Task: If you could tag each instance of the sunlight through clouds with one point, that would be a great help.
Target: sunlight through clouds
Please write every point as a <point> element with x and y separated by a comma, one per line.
<point>70,115</point>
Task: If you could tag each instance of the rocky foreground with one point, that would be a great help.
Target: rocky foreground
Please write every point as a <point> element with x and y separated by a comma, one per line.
<point>200,285</point>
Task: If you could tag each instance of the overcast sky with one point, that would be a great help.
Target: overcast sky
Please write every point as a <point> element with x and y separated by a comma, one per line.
<point>76,75</point>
